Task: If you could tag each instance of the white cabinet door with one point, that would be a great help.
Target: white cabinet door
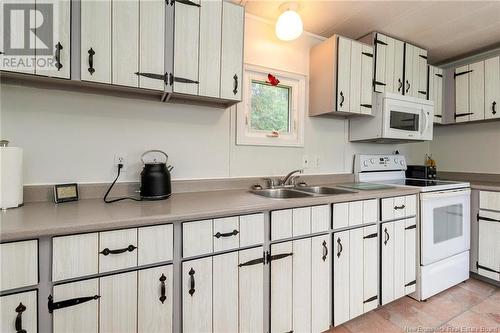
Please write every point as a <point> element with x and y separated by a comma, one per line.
<point>210,48</point>
<point>197,296</point>
<point>231,79</point>
<point>320,283</point>
<point>23,304</point>
<point>399,259</point>
<point>251,290</point>
<point>489,247</point>
<point>420,76</point>
<point>152,42</point>
<point>462,94</point>
<point>366,79</point>
<point>409,87</point>
<point>155,300</point>
<point>118,303</point>
<point>225,293</point>
<point>410,251</point>
<point>380,62</point>
<point>476,91</point>
<point>343,74</point>
<point>340,277</point>
<point>492,88</point>
<point>186,48</point>
<point>389,65</point>
<point>18,264</point>
<point>399,57</point>
<point>356,278</point>
<point>388,261</point>
<point>370,268</point>
<point>80,318</point>
<point>62,45</point>
<point>436,92</point>
<point>301,221</point>
<point>281,287</point>
<point>125,43</point>
<point>320,218</point>
<point>96,41</point>
<point>340,215</point>
<point>355,79</point>
<point>301,290</point>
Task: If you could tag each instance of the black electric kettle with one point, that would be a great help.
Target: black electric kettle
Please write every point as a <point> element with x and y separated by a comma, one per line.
<point>155,178</point>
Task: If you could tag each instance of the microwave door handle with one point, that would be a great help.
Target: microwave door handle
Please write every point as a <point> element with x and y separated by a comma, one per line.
<point>426,122</point>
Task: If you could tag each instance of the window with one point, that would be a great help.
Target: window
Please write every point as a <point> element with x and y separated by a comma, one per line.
<point>271,115</point>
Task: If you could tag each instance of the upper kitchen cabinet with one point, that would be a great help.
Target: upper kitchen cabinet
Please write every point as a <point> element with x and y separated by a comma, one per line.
<point>415,84</point>
<point>389,59</point>
<point>435,92</point>
<point>492,88</point>
<point>341,72</point>
<point>469,92</point>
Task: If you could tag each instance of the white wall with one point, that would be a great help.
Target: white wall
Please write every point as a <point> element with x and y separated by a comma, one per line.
<point>72,136</point>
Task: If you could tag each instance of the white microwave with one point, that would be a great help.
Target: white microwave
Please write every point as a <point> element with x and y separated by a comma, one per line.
<point>396,118</point>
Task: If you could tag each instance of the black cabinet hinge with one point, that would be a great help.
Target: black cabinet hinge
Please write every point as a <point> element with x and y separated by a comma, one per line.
<point>486,268</point>
<point>370,299</point>
<point>422,92</point>
<point>414,226</point>
<point>378,41</point>
<point>463,73</point>
<point>439,75</point>
<point>489,219</point>
<point>422,56</point>
<point>457,115</point>
<point>68,302</point>
<point>267,258</point>
<point>370,236</point>
<point>367,54</point>
<point>185,2</point>
<point>366,105</point>
<point>438,116</point>
<point>411,283</point>
<point>378,83</point>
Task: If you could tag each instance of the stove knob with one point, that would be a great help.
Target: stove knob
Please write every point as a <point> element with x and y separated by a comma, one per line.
<point>372,160</point>
<point>396,160</point>
<point>402,162</point>
<point>365,163</point>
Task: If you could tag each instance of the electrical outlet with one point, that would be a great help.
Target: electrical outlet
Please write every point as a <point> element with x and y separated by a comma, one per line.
<point>120,159</point>
<point>305,161</point>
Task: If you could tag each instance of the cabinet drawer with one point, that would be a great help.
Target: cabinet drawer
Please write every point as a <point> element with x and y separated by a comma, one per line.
<point>117,249</point>
<point>24,304</point>
<point>251,229</point>
<point>299,221</point>
<point>156,244</point>
<point>197,238</point>
<point>19,264</point>
<point>74,256</point>
<point>349,214</point>
<point>399,207</point>
<point>226,233</point>
<point>281,224</point>
<point>489,200</point>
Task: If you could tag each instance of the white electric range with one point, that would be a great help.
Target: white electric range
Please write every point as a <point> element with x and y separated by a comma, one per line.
<point>444,228</point>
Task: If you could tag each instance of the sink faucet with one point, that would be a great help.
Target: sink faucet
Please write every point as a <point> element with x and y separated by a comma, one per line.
<point>285,180</point>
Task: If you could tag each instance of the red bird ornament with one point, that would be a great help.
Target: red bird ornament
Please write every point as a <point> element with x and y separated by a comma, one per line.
<point>272,80</point>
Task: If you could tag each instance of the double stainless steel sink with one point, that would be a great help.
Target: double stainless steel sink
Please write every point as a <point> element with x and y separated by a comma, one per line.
<point>299,192</point>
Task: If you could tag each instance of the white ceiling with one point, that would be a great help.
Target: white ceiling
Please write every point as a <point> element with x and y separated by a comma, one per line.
<point>447,29</point>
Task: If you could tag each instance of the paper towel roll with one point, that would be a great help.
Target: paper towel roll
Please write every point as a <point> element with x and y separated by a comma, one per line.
<point>11,177</point>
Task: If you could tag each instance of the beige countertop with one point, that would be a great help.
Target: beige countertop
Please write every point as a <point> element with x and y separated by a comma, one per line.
<point>41,219</point>
<point>486,186</point>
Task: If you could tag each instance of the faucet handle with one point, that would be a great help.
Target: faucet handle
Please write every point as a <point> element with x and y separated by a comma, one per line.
<point>272,182</point>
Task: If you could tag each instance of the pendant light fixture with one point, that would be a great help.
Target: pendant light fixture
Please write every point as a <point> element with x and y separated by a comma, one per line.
<point>289,24</point>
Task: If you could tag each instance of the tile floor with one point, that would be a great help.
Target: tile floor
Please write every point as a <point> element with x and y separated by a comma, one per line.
<point>473,306</point>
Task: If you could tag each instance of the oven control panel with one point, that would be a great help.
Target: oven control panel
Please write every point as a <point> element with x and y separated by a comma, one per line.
<point>367,163</point>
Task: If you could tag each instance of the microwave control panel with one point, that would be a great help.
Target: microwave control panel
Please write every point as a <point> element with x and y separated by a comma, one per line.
<point>366,163</point>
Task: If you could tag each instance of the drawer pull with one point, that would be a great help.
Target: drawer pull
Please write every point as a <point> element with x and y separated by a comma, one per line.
<point>386,236</point>
<point>192,282</point>
<point>399,207</point>
<point>129,248</point>
<point>227,234</point>
<point>91,61</point>
<point>163,290</point>
<point>59,47</point>
<point>342,98</point>
<point>339,247</point>
<point>19,318</point>
<point>325,251</point>
<point>235,86</point>
<point>69,302</point>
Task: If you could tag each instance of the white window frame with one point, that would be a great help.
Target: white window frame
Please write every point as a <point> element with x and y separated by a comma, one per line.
<point>294,138</point>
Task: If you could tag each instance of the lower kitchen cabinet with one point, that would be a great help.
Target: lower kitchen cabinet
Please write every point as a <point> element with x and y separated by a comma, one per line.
<point>138,301</point>
<point>19,312</point>
<point>488,263</point>
<point>300,285</point>
<point>398,259</point>
<point>224,293</point>
<point>355,271</point>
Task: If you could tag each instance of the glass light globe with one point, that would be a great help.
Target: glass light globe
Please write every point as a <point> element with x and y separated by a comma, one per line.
<point>289,25</point>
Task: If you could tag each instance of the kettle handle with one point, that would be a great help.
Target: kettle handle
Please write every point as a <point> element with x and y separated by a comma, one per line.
<point>154,151</point>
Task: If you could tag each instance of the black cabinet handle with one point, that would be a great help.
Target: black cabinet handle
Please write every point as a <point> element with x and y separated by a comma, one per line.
<point>185,2</point>
<point>69,302</point>
<point>325,251</point>
<point>400,85</point>
<point>129,248</point>
<point>91,61</point>
<point>386,236</point>
<point>399,207</point>
<point>227,234</point>
<point>342,98</point>
<point>192,282</point>
<point>494,107</point>
<point>163,289</point>
<point>19,318</point>
<point>408,85</point>
<point>339,247</point>
<point>59,47</point>
<point>235,79</point>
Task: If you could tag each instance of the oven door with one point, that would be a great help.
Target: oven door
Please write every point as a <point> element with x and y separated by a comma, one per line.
<point>406,120</point>
<point>445,224</point>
